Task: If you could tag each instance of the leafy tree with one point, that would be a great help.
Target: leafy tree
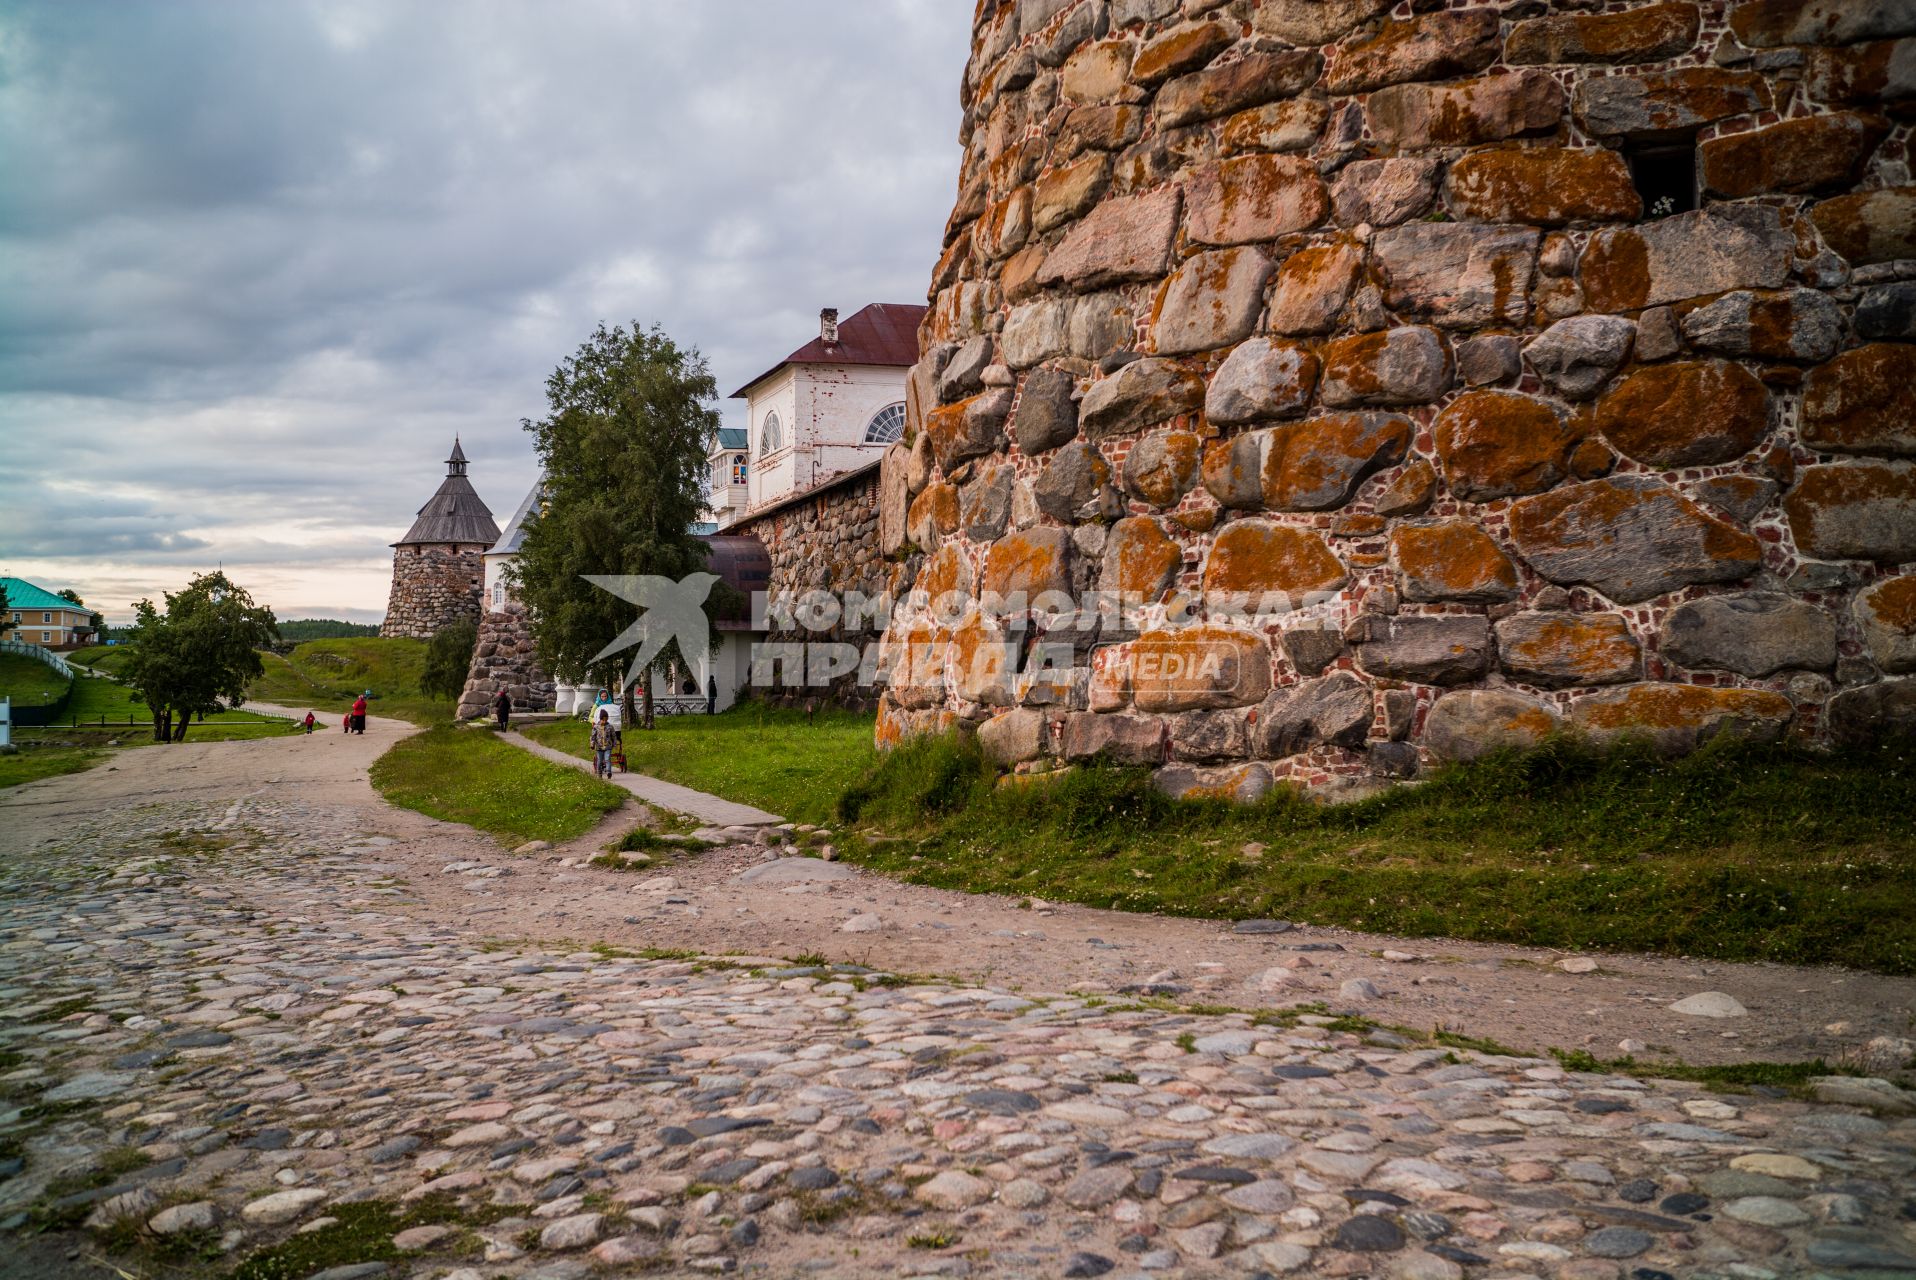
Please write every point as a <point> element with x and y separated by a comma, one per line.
<point>96,622</point>
<point>6,619</point>
<point>624,444</point>
<point>448,658</point>
<point>198,655</point>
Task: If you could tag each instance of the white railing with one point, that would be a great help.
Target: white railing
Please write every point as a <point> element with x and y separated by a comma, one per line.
<point>38,654</point>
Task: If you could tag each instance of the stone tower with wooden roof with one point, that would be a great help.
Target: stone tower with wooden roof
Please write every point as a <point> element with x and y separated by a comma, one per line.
<point>439,566</point>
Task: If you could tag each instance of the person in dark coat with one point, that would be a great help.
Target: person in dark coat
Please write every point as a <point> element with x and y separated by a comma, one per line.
<point>502,707</point>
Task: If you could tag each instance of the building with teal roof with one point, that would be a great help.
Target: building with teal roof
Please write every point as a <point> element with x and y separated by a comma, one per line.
<point>35,615</point>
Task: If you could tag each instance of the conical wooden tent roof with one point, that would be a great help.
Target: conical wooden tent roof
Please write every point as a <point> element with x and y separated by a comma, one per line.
<point>455,514</point>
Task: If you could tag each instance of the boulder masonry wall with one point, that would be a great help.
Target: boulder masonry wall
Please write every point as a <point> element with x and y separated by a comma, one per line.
<point>433,587</point>
<point>1548,364</point>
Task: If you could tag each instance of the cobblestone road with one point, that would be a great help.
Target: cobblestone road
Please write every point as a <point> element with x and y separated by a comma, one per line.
<point>224,1047</point>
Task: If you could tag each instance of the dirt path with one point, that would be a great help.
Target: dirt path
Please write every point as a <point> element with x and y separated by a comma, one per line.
<point>1512,995</point>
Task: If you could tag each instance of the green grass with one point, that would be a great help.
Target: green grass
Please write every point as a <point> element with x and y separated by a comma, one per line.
<point>781,761</point>
<point>98,699</point>
<point>31,765</point>
<point>99,657</point>
<point>363,1232</point>
<point>1731,1077</point>
<point>326,675</point>
<point>470,776</point>
<point>49,753</point>
<point>1735,853</point>
<point>28,682</point>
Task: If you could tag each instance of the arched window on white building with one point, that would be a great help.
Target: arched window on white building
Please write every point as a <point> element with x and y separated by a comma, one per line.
<point>887,425</point>
<point>739,469</point>
<point>771,436</point>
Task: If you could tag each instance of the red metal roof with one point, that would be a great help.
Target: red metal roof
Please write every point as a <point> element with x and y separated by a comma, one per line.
<point>884,333</point>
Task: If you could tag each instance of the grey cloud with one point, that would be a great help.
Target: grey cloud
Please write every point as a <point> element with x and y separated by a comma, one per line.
<point>258,263</point>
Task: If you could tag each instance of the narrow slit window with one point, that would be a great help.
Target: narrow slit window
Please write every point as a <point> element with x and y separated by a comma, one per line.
<point>1665,176</point>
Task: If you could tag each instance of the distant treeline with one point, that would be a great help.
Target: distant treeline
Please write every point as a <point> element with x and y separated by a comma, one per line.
<point>300,630</point>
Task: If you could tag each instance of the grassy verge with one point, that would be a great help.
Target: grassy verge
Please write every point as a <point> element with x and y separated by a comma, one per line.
<point>1735,853</point>
<point>99,657</point>
<point>33,764</point>
<point>470,776</point>
<point>29,682</point>
<point>48,753</point>
<point>784,762</point>
<point>326,675</point>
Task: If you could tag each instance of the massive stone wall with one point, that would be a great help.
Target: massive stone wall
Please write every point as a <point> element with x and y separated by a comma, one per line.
<point>1402,313</point>
<point>433,586</point>
<point>826,541</point>
<point>506,657</point>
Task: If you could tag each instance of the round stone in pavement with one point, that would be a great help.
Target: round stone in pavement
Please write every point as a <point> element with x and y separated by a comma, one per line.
<point>1684,1202</point>
<point>795,871</point>
<point>817,1178</point>
<point>1216,1173</point>
<point>1601,1106</point>
<point>1086,1264</point>
<point>1263,926</point>
<point>1369,1233</point>
<point>1617,1242</point>
<point>1001,1102</point>
<point>1638,1191</point>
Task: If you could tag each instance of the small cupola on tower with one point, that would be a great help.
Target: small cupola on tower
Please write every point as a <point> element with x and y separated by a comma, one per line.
<point>439,566</point>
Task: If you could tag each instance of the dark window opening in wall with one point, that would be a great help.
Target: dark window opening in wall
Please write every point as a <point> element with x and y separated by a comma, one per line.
<point>1665,177</point>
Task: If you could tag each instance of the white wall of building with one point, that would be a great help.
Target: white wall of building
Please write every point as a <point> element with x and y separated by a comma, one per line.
<point>774,474</point>
<point>823,410</point>
<point>497,593</point>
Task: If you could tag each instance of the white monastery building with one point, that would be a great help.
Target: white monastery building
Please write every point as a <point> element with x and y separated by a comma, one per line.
<point>828,408</point>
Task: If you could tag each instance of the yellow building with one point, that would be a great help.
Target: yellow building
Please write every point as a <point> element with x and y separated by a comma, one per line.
<point>37,616</point>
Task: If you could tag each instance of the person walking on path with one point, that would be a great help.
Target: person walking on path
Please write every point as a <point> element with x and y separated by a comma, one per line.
<point>602,746</point>
<point>310,721</point>
<point>359,714</point>
<point>502,707</point>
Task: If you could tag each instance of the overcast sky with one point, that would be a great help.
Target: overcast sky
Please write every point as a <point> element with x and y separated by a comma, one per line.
<point>260,262</point>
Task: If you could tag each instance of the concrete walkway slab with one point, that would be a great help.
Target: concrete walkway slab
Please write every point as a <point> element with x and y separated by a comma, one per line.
<point>712,810</point>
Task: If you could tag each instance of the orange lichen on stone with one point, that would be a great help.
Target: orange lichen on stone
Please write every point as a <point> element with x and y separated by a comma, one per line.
<point>1616,272</point>
<point>1647,34</point>
<point>1894,602</point>
<point>1030,562</point>
<point>1855,511</point>
<point>1869,226</point>
<point>1316,465</point>
<point>1686,414</point>
<point>1180,50</point>
<point>1254,197</point>
<point>1232,471</point>
<point>985,661</point>
<point>1454,560</point>
<point>1679,717</point>
<point>1140,559</point>
<point>1492,444</point>
<point>1808,154</point>
<point>1256,556</point>
<point>1191,668</point>
<point>1163,467</point>
<point>946,574</point>
<point>1558,650</point>
<point>1863,401</point>
<point>1544,186</point>
<point>934,511</point>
